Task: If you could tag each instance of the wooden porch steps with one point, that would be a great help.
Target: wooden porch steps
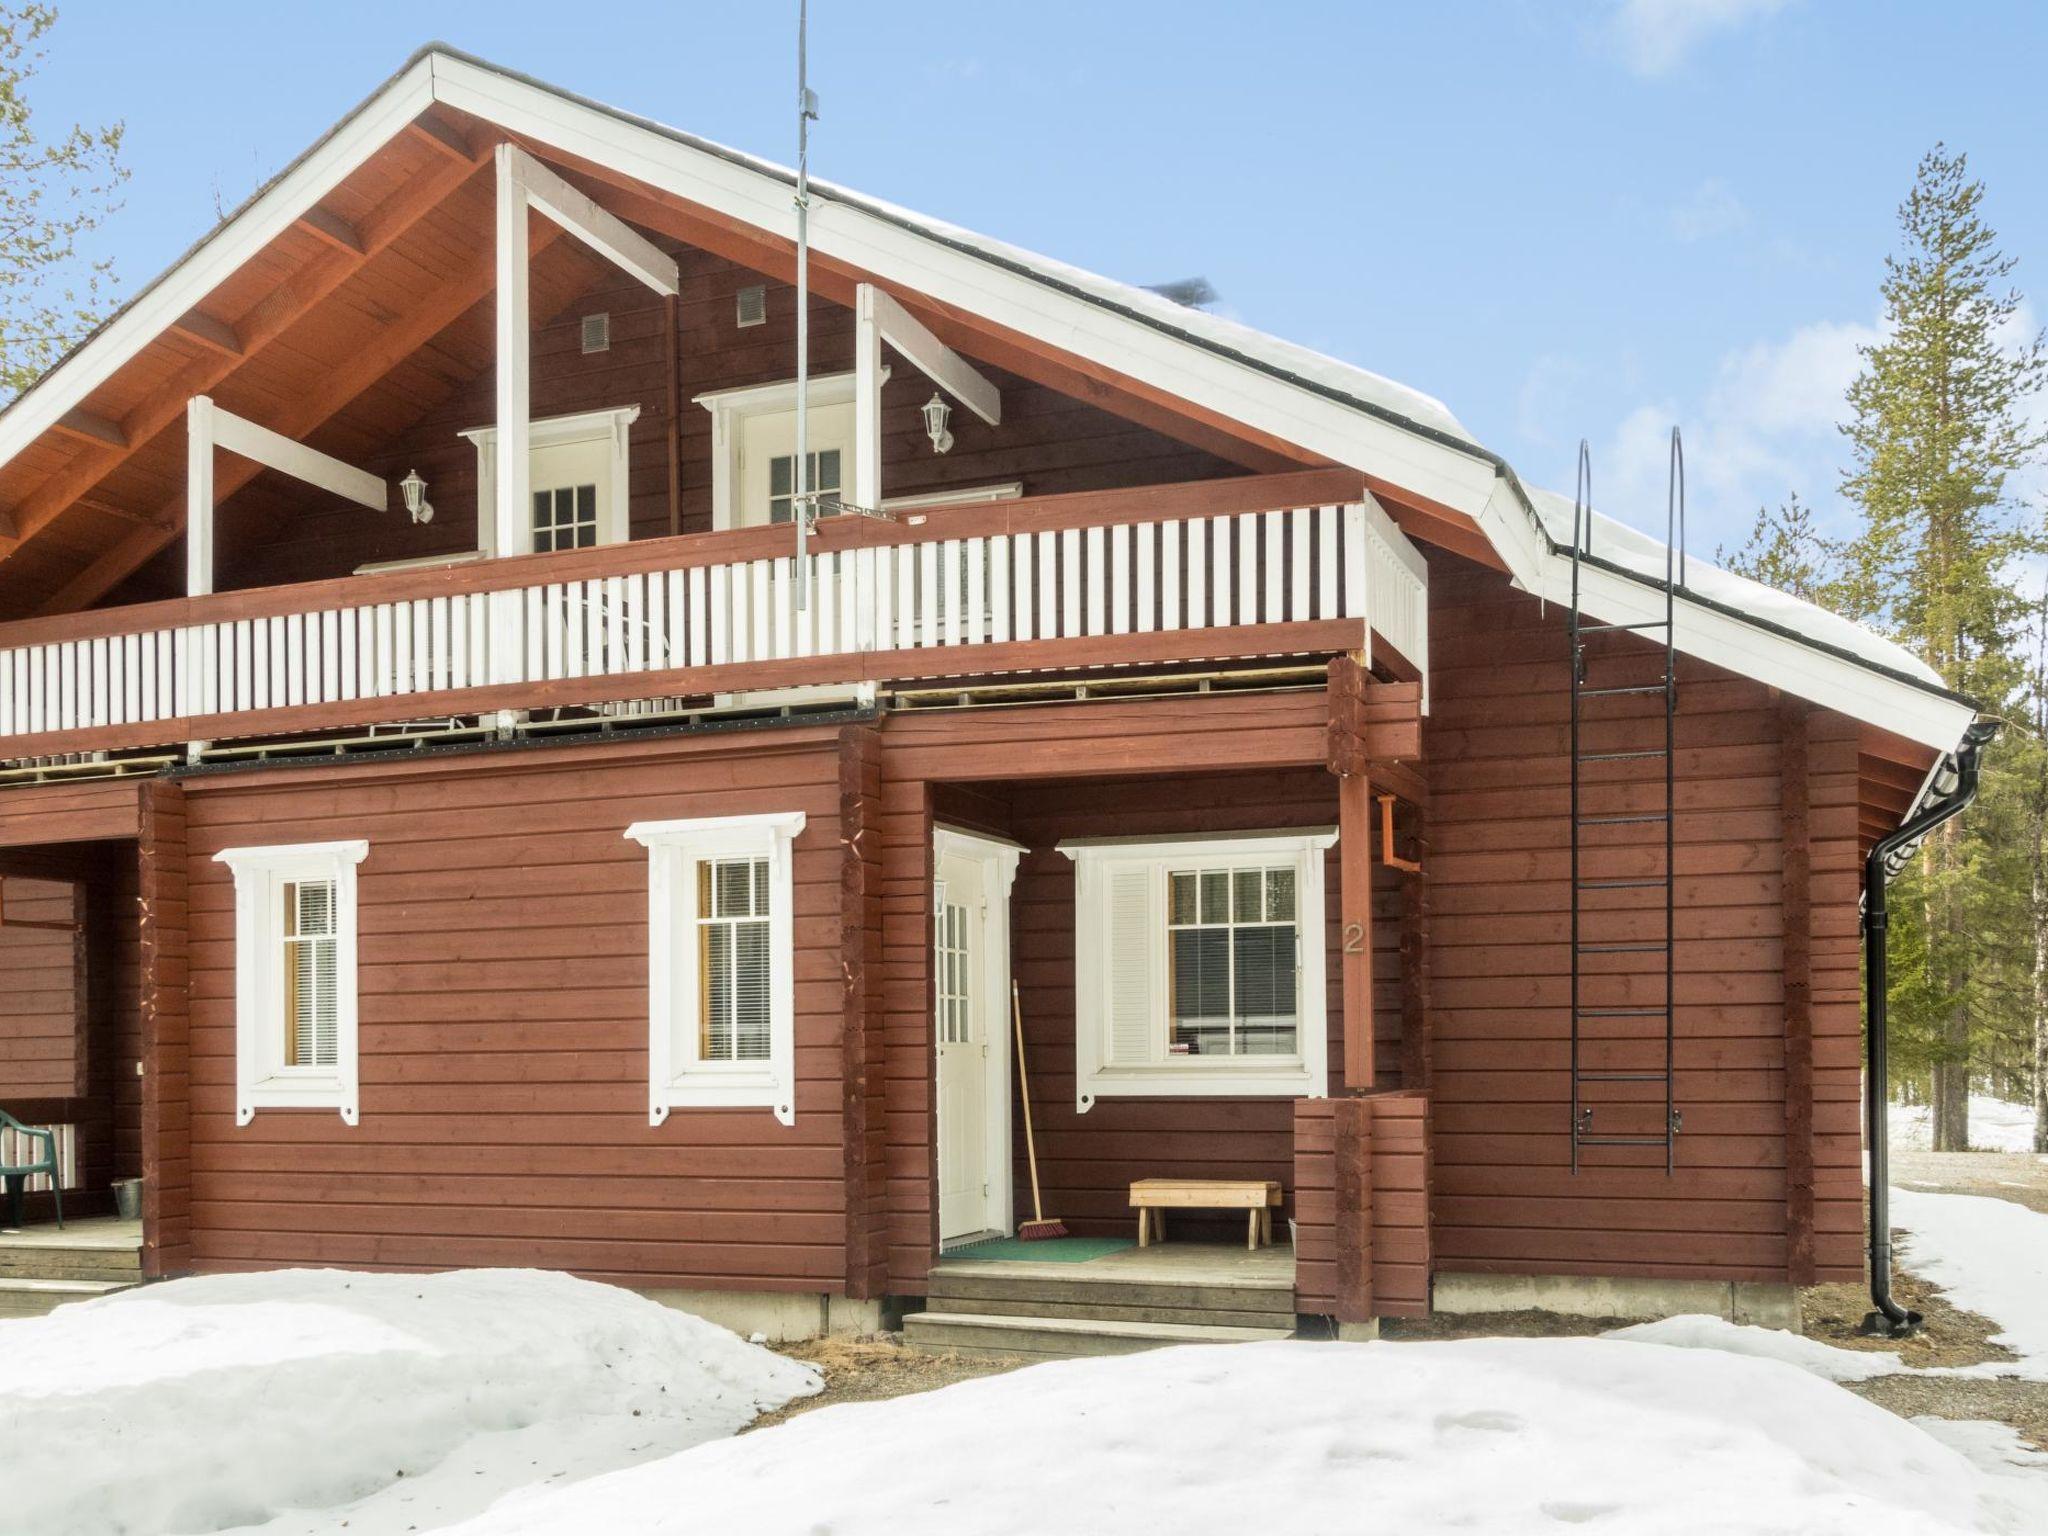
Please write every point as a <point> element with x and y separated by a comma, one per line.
<point>36,1298</point>
<point>44,1265</point>
<point>1033,1310</point>
<point>1009,1336</point>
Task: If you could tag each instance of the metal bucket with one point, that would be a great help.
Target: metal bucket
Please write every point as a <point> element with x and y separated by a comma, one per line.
<point>128,1199</point>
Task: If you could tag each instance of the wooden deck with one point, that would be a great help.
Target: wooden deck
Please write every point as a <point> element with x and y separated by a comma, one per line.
<point>44,1266</point>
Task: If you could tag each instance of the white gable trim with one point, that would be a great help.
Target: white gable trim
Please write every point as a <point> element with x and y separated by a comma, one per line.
<point>219,256</point>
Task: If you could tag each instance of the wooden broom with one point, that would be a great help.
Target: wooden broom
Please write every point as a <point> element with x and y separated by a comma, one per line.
<point>1040,1225</point>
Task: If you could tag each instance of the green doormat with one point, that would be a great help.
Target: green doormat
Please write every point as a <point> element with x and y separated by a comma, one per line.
<point>1050,1250</point>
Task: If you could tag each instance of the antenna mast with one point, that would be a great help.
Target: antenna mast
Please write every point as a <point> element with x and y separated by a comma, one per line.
<point>802,504</point>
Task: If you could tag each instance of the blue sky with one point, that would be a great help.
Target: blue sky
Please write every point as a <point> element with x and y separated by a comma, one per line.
<point>1564,220</point>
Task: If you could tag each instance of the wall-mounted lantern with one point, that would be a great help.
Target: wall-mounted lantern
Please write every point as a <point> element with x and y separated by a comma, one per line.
<point>936,414</point>
<point>414,489</point>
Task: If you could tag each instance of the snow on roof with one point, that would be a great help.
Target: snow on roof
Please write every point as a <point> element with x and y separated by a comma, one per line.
<point>1789,618</point>
<point>1638,552</point>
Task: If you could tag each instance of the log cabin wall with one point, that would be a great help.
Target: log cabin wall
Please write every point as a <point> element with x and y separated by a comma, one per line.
<point>504,1016</point>
<point>1505,1198</point>
<point>276,531</point>
<point>70,1014</point>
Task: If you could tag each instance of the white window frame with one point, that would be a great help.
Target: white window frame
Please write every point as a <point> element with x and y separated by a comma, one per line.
<point>614,508</point>
<point>1096,1074</point>
<point>731,409</point>
<point>262,1080</point>
<point>678,1077</point>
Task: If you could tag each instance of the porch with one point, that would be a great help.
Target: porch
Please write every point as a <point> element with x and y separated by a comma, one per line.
<point>1109,1303</point>
<point>1219,976</point>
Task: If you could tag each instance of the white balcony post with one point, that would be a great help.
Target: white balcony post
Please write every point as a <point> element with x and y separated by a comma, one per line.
<point>198,496</point>
<point>512,524</point>
<point>867,443</point>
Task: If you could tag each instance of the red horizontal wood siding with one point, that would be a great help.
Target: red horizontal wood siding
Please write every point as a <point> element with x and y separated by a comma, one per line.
<point>1499,903</point>
<point>504,1017</point>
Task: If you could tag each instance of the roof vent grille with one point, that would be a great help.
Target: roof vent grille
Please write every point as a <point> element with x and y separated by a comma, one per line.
<point>597,332</point>
<point>753,305</point>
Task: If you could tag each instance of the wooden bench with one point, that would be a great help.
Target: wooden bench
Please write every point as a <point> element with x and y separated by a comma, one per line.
<point>1153,1198</point>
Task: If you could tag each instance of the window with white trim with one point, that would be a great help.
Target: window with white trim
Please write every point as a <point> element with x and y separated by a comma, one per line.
<point>1200,965</point>
<point>295,977</point>
<point>721,962</point>
<point>578,469</point>
<point>753,447</point>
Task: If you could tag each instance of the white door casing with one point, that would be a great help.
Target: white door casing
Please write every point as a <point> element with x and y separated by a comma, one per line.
<point>971,1032</point>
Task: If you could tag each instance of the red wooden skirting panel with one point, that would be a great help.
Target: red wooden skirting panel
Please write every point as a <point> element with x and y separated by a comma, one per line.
<point>1400,1204</point>
<point>1315,1207</point>
<point>1393,1240</point>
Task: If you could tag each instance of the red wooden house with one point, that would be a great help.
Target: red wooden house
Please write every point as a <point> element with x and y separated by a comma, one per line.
<point>448,818</point>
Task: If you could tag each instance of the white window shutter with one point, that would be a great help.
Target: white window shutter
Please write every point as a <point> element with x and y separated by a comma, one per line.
<point>1132,929</point>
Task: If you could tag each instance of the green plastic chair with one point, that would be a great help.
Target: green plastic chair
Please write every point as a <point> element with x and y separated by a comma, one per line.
<point>16,1175</point>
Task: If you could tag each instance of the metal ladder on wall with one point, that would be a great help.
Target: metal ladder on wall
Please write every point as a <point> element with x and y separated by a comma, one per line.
<point>1616,1034</point>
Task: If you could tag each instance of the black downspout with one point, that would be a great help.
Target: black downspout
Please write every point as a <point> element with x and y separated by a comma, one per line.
<point>1890,1319</point>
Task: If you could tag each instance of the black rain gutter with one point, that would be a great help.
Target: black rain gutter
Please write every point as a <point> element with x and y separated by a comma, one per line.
<point>1886,857</point>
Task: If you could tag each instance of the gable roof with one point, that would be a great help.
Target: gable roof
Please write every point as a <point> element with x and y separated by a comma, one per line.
<point>1401,438</point>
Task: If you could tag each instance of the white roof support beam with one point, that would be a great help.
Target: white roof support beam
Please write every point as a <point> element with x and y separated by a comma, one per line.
<point>867,400</point>
<point>207,428</point>
<point>933,358</point>
<point>604,232</point>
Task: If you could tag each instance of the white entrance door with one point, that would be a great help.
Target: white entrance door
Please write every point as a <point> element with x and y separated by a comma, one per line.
<point>961,1026</point>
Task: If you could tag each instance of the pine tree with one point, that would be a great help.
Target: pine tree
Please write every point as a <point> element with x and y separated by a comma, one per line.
<point>1938,427</point>
<point>1786,551</point>
<point>52,191</point>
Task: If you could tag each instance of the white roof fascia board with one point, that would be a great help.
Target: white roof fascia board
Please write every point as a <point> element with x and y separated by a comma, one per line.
<point>1459,478</point>
<point>234,243</point>
<point>1511,526</point>
<point>1819,676</point>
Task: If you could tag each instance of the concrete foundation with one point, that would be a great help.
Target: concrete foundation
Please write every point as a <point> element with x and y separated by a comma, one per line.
<point>780,1316</point>
<point>1765,1304</point>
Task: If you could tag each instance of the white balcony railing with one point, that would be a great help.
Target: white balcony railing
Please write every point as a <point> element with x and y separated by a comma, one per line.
<point>982,590</point>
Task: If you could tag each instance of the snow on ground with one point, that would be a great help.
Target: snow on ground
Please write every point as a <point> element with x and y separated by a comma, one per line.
<point>1995,1125</point>
<point>1991,1257</point>
<point>393,1402</point>
<point>1698,1330</point>
<point>1484,1435</point>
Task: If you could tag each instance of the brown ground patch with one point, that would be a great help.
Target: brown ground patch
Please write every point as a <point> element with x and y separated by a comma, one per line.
<point>869,1369</point>
<point>2022,1404</point>
<point>1949,1336</point>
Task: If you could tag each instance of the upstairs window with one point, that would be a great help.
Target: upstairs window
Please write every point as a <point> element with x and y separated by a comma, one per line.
<point>295,977</point>
<point>1200,966</point>
<point>721,991</point>
<point>578,471</point>
<point>753,447</point>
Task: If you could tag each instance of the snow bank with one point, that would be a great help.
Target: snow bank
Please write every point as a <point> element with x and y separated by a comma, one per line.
<point>1991,1257</point>
<point>1699,1331</point>
<point>1995,1125</point>
<point>1515,1435</point>
<point>209,1403</point>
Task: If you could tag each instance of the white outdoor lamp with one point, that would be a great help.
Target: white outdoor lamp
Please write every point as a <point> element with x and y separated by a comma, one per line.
<point>936,414</point>
<point>414,490</point>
